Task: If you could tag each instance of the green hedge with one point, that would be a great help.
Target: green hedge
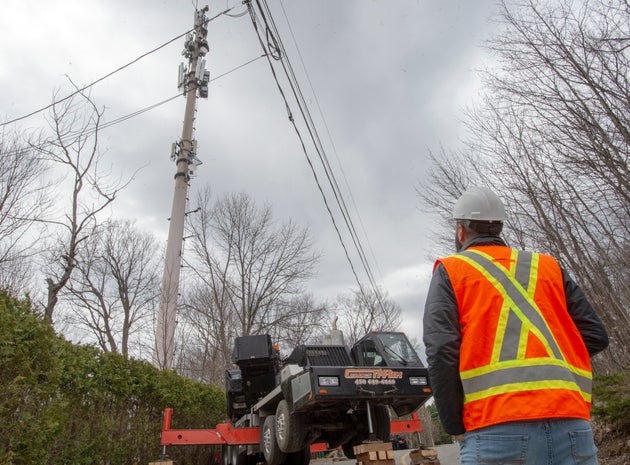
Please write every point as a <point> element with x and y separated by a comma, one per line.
<point>61,403</point>
<point>611,400</point>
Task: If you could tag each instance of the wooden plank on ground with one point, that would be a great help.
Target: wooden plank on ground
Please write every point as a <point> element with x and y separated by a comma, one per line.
<point>378,462</point>
<point>375,455</point>
<point>424,457</point>
<point>372,446</point>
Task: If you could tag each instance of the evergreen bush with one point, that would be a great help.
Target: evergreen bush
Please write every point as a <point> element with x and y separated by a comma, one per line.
<point>63,403</point>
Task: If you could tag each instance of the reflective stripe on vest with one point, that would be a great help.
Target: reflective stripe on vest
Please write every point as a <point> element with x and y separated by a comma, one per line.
<point>519,316</point>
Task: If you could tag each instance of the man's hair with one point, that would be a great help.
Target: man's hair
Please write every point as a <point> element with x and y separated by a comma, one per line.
<point>492,228</point>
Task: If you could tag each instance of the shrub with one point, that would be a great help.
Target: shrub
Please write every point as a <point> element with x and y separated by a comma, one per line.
<point>29,379</point>
<point>63,403</point>
<point>611,400</point>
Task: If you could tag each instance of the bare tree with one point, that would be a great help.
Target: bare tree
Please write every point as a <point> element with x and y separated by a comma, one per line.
<point>205,344</point>
<point>73,150</point>
<point>249,274</point>
<point>450,173</point>
<point>306,322</point>
<point>552,136</point>
<point>115,286</point>
<point>205,335</point>
<point>363,311</point>
<point>23,201</point>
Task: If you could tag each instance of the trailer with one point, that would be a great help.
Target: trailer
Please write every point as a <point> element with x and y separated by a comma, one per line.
<point>236,442</point>
<point>320,397</point>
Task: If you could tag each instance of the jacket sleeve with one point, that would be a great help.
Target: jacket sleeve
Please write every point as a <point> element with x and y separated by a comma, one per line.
<point>588,323</point>
<point>442,340</point>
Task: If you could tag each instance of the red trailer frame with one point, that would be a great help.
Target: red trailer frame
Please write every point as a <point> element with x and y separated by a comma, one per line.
<point>225,433</point>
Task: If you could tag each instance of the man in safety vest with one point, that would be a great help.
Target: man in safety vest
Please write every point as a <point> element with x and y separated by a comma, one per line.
<point>508,337</point>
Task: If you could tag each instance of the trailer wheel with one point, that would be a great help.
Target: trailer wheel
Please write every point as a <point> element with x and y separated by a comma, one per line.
<point>301,457</point>
<point>290,430</point>
<point>269,444</point>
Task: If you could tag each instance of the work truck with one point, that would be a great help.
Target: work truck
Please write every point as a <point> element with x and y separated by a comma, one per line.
<point>325,393</point>
<point>319,397</point>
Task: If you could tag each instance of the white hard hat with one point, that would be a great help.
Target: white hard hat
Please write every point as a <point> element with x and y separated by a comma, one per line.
<point>479,204</point>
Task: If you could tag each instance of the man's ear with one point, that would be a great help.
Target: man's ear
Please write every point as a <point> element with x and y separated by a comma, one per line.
<point>461,233</point>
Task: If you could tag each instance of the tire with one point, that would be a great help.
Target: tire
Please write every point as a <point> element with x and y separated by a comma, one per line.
<point>381,422</point>
<point>348,449</point>
<point>290,430</point>
<point>380,425</point>
<point>300,457</point>
<point>268,444</point>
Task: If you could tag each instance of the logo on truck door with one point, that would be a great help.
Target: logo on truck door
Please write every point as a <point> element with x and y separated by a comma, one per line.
<point>373,375</point>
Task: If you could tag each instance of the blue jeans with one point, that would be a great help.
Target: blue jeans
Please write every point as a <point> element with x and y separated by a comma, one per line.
<point>545,442</point>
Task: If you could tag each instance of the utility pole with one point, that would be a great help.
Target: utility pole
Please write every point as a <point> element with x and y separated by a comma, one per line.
<point>191,80</point>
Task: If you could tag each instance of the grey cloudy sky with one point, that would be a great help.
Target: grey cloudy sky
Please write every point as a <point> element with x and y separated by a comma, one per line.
<point>391,79</point>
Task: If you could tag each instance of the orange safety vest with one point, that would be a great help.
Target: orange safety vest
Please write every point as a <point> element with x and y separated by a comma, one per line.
<point>521,355</point>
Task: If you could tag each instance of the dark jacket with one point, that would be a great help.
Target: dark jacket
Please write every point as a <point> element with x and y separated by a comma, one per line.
<point>442,337</point>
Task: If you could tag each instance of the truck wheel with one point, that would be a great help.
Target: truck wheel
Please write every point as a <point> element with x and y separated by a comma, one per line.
<point>301,457</point>
<point>290,430</point>
<point>348,449</point>
<point>269,445</point>
<point>381,422</point>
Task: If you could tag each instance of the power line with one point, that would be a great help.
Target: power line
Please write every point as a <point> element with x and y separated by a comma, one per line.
<point>275,49</point>
<point>155,105</point>
<point>124,118</point>
<point>117,70</point>
<point>325,163</point>
<point>308,159</point>
<point>330,139</point>
<point>277,41</point>
<point>237,68</point>
<point>132,115</point>
<point>94,82</point>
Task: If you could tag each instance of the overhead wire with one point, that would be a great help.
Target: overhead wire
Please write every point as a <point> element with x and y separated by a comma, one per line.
<point>123,118</point>
<point>275,49</point>
<point>308,159</point>
<point>322,153</point>
<point>238,67</point>
<point>117,70</point>
<point>277,41</point>
<point>330,139</point>
<point>237,15</point>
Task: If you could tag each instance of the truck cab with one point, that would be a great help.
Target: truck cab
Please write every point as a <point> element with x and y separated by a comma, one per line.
<point>385,349</point>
